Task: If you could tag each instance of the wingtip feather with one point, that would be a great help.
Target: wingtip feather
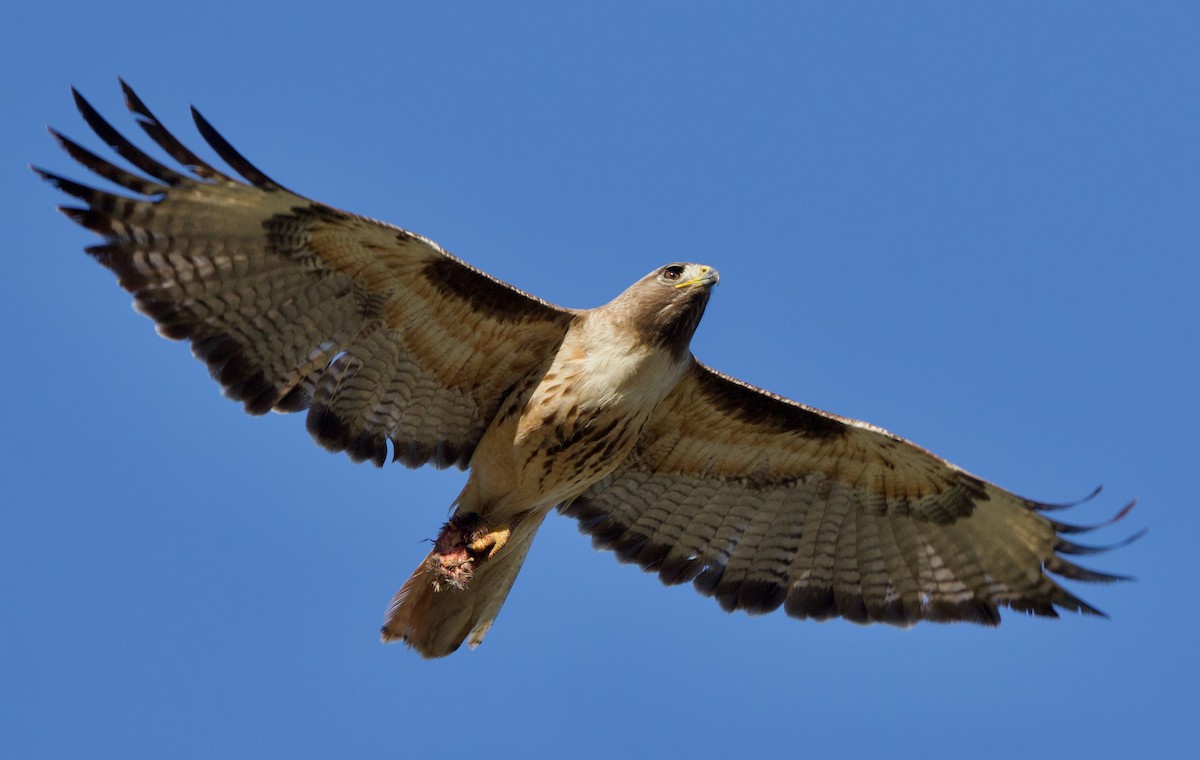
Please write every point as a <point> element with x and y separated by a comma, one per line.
<point>1043,506</point>
<point>1061,527</point>
<point>1063,546</point>
<point>231,156</point>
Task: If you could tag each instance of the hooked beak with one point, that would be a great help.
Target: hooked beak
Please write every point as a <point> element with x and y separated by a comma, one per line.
<point>708,276</point>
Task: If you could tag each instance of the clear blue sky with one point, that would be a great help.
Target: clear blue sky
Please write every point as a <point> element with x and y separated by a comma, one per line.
<point>974,224</point>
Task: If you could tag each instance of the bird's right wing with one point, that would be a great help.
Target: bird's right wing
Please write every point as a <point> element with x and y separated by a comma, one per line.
<point>293,305</point>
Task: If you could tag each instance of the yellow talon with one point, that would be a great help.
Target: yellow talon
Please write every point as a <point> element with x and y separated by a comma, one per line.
<point>490,542</point>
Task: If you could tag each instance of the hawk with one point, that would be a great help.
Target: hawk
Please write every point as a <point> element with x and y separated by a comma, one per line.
<point>399,350</point>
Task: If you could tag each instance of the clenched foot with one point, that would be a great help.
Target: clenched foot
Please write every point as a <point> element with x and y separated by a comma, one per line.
<point>465,542</point>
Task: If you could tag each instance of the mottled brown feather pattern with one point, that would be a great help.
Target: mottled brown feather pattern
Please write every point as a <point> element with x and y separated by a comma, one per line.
<point>762,502</point>
<point>396,348</point>
<point>295,305</point>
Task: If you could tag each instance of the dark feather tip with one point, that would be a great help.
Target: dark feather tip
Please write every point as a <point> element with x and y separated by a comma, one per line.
<point>231,156</point>
<point>1053,506</point>
<point>1062,527</point>
<point>1063,546</point>
<point>122,146</point>
<point>151,125</point>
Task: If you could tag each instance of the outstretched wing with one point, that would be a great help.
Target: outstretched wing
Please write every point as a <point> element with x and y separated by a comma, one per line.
<point>378,332</point>
<point>763,502</point>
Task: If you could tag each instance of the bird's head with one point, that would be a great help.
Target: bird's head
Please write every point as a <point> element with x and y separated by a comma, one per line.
<point>665,306</point>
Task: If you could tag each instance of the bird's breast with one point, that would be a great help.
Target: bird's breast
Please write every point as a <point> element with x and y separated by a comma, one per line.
<point>578,423</point>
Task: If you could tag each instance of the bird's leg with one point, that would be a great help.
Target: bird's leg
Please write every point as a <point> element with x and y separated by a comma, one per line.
<point>465,542</point>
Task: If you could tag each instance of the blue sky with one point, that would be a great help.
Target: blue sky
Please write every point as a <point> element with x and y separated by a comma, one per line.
<point>973,224</point>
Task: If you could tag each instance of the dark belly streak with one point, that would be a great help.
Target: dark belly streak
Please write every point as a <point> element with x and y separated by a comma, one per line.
<point>593,449</point>
<point>576,454</point>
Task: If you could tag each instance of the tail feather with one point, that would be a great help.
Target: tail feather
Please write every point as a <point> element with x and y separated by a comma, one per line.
<point>435,619</point>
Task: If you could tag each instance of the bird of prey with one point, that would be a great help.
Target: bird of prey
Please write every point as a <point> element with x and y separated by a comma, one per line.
<point>399,350</point>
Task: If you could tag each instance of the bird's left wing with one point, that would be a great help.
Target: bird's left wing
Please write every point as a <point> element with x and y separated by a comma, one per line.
<point>761,502</point>
<point>378,332</point>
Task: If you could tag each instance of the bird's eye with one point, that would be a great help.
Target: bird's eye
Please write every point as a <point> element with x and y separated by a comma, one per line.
<point>673,272</point>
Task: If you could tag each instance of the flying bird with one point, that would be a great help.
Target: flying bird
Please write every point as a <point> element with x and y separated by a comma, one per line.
<point>400,351</point>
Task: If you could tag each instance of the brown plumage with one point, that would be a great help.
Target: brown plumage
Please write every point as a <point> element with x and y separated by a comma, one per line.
<point>399,350</point>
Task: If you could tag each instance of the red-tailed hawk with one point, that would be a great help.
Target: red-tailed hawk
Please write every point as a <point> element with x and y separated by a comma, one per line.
<point>400,351</point>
